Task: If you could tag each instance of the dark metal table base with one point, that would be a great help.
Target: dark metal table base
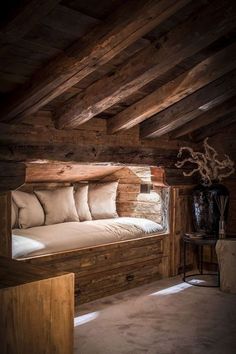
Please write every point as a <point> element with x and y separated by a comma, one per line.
<point>199,243</point>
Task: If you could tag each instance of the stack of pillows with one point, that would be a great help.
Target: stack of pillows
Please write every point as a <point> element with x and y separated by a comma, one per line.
<point>82,202</point>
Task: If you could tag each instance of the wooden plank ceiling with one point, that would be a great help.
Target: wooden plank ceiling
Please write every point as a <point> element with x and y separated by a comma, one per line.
<point>166,66</point>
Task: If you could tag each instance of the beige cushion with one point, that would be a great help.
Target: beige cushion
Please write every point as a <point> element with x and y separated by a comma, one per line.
<point>81,202</point>
<point>30,211</point>
<point>102,200</point>
<point>14,215</point>
<point>58,205</point>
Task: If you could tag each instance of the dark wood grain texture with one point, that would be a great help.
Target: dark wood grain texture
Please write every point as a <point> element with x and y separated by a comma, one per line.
<point>32,308</point>
<point>190,107</point>
<point>124,27</point>
<point>200,75</point>
<point>148,65</point>
<point>209,117</point>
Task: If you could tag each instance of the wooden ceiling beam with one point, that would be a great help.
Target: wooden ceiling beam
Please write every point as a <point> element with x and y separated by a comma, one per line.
<point>149,64</point>
<point>25,18</point>
<point>190,107</point>
<point>133,20</point>
<point>206,118</point>
<point>202,74</point>
<point>215,128</point>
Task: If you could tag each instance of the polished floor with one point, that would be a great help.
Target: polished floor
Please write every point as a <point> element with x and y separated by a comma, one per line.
<point>165,317</point>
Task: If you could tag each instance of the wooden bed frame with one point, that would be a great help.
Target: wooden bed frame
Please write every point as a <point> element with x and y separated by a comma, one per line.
<point>105,269</point>
<point>99,270</point>
<point>111,268</point>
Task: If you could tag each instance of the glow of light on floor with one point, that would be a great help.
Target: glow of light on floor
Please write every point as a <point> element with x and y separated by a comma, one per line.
<point>172,290</point>
<point>177,288</point>
<point>80,320</point>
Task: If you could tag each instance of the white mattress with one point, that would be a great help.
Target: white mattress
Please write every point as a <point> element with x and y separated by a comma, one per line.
<point>67,236</point>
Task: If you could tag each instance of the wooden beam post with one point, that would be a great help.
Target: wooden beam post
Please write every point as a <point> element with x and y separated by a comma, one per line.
<point>190,107</point>
<point>216,127</point>
<point>150,63</point>
<point>206,118</point>
<point>202,74</point>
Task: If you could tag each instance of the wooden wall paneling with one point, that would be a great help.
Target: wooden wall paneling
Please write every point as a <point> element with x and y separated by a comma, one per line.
<point>12,175</point>
<point>130,199</point>
<point>37,139</point>
<point>181,223</point>
<point>5,224</point>
<point>108,269</point>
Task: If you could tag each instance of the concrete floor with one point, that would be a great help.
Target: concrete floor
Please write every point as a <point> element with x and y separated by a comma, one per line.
<point>165,317</point>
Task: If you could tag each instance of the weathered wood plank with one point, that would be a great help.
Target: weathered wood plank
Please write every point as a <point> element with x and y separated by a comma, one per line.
<point>190,107</point>
<point>206,118</point>
<point>216,127</point>
<point>62,172</point>
<point>150,64</point>
<point>22,134</point>
<point>12,175</point>
<point>100,45</point>
<point>128,155</point>
<point>202,74</point>
<point>111,268</point>
<point>25,18</point>
<point>5,224</point>
<point>31,310</point>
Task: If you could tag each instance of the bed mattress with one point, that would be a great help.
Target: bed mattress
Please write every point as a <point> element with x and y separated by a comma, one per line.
<point>43,240</point>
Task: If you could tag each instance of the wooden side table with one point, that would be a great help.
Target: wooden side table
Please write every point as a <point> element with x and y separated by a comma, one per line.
<point>199,243</point>
<point>36,309</point>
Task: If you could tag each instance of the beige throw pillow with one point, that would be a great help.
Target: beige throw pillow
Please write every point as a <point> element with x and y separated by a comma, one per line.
<point>30,212</point>
<point>102,200</point>
<point>81,202</point>
<point>58,205</point>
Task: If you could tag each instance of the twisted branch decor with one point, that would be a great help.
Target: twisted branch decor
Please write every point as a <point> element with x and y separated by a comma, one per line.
<point>209,166</point>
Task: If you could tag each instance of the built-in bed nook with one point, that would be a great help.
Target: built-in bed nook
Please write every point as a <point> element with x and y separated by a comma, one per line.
<point>117,176</point>
<point>107,224</point>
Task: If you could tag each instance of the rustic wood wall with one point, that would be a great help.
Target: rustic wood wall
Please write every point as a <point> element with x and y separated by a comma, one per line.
<point>181,222</point>
<point>36,138</point>
<point>134,197</point>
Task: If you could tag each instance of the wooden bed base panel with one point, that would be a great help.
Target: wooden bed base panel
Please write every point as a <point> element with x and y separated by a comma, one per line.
<point>108,269</point>
<point>105,269</point>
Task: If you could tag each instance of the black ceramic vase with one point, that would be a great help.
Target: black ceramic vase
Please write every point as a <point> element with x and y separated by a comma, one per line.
<point>206,215</point>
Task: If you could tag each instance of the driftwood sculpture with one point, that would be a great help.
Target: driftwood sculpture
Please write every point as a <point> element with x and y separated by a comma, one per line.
<point>209,166</point>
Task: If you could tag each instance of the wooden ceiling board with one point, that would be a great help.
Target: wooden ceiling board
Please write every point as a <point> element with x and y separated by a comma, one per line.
<point>148,64</point>
<point>97,9</point>
<point>125,26</point>
<point>69,21</point>
<point>65,29</point>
